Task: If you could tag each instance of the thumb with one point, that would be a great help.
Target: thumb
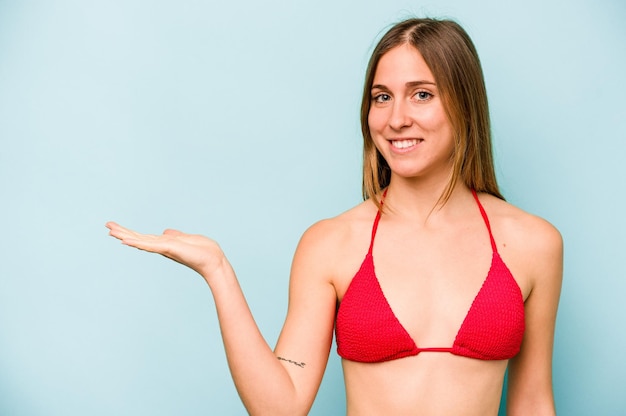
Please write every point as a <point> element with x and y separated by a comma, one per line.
<point>172,232</point>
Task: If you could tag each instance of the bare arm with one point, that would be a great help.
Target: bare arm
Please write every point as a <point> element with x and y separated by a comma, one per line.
<point>530,372</point>
<point>267,385</point>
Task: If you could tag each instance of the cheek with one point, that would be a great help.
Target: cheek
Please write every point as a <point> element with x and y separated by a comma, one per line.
<point>375,121</point>
<point>431,118</point>
<point>440,126</point>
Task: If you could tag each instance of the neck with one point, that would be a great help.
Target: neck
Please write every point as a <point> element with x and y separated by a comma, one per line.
<point>422,200</point>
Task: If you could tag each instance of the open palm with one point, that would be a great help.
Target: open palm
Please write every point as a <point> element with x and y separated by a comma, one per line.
<point>194,251</point>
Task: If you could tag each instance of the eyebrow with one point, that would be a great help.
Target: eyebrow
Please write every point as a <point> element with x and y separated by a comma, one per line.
<point>408,84</point>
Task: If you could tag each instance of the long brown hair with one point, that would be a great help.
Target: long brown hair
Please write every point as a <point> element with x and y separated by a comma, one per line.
<point>452,58</point>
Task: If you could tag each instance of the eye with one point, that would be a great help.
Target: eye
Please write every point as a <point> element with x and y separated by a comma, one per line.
<point>423,96</point>
<point>381,98</point>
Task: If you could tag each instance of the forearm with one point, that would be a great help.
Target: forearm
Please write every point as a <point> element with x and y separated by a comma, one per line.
<point>542,406</point>
<point>262,382</point>
<point>527,395</point>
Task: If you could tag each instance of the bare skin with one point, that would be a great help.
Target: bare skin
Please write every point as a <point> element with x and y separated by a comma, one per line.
<point>449,258</point>
<point>431,261</point>
<point>326,260</point>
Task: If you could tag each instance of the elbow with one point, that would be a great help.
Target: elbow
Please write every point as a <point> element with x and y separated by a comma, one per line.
<point>278,410</point>
<point>536,406</point>
<point>278,405</point>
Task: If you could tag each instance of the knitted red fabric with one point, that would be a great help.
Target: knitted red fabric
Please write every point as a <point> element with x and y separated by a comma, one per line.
<point>367,330</point>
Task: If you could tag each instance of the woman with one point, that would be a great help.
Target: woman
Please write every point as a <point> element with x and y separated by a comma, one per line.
<point>464,286</point>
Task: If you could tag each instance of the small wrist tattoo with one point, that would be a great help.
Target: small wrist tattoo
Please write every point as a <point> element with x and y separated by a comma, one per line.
<point>301,365</point>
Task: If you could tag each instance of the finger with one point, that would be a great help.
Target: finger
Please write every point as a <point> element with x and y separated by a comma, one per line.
<point>122,233</point>
<point>172,232</point>
<point>152,245</point>
<point>115,230</point>
<point>111,224</point>
<point>114,226</point>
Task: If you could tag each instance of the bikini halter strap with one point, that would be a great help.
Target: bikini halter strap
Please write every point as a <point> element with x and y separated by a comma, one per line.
<point>480,207</point>
<point>376,221</point>
<point>486,219</point>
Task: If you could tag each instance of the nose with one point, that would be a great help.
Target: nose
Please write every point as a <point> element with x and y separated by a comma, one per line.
<point>399,117</point>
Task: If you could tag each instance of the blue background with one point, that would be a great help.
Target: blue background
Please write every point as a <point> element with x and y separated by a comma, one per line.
<point>239,120</point>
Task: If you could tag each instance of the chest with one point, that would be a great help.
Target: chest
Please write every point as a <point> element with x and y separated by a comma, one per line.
<point>430,277</point>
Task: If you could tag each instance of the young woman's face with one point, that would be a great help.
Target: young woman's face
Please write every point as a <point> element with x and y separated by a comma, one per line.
<point>407,120</point>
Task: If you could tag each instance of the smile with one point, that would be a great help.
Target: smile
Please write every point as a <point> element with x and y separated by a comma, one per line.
<point>405,143</point>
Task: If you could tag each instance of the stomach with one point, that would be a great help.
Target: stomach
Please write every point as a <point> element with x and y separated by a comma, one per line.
<point>431,383</point>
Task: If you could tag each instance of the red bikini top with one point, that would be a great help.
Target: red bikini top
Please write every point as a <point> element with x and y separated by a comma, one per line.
<point>368,331</point>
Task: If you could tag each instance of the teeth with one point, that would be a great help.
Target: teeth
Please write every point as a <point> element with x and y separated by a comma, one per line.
<point>403,144</point>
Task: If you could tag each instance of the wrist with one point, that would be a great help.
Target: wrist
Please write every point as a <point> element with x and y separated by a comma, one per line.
<point>219,272</point>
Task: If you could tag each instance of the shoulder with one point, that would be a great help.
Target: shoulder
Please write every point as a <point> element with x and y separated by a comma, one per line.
<point>522,237</point>
<point>333,244</point>
<point>341,227</point>
<point>519,226</point>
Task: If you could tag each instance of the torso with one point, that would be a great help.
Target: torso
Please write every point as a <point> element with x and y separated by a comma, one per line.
<point>429,275</point>
<point>427,384</point>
